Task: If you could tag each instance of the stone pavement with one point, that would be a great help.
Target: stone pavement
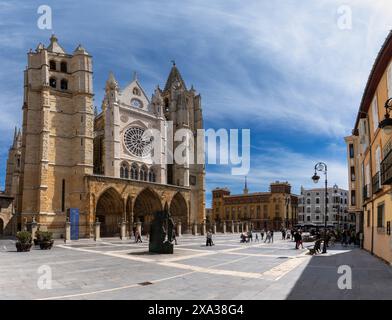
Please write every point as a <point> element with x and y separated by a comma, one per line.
<point>115,269</point>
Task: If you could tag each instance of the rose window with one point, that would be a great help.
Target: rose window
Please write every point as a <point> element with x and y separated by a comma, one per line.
<point>138,142</point>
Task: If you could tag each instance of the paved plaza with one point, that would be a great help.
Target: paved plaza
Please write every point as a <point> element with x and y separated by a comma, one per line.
<point>115,269</point>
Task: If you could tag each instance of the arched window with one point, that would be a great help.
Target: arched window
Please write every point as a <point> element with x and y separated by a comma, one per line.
<point>151,176</point>
<point>64,84</point>
<point>134,173</point>
<point>53,82</point>
<point>124,171</point>
<point>52,65</point>
<point>136,91</point>
<point>143,173</point>
<point>63,66</point>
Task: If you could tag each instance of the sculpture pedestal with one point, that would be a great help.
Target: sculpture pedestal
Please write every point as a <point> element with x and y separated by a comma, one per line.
<point>165,247</point>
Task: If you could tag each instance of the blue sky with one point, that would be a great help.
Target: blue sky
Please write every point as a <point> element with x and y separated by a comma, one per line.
<point>283,69</point>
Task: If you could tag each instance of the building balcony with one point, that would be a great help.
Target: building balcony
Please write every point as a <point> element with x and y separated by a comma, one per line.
<point>376,183</point>
<point>386,169</point>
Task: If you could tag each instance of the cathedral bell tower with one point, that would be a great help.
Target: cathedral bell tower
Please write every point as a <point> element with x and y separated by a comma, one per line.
<point>183,108</point>
<point>57,134</point>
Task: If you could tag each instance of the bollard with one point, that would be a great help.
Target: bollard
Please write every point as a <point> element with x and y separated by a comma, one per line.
<point>224,227</point>
<point>214,228</point>
<point>67,238</point>
<point>232,227</point>
<point>34,228</point>
<point>194,231</point>
<point>123,230</point>
<point>97,233</point>
<point>178,228</point>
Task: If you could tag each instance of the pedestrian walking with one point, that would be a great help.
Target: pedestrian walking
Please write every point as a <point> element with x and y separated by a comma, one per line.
<point>174,237</point>
<point>272,236</point>
<point>300,240</point>
<point>283,234</point>
<point>138,237</point>
<point>209,238</point>
<point>268,237</point>
<point>262,234</point>
<point>257,238</point>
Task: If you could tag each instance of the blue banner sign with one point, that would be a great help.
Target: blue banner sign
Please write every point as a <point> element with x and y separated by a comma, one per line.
<point>74,219</point>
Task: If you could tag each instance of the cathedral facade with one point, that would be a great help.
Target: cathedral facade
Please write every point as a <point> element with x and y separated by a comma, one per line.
<point>70,157</point>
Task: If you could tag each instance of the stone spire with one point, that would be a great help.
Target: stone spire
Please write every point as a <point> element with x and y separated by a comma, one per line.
<point>54,45</point>
<point>246,186</point>
<point>80,50</point>
<point>174,78</point>
<point>111,83</point>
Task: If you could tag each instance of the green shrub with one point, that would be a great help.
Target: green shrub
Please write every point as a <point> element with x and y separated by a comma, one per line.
<point>45,236</point>
<point>23,237</point>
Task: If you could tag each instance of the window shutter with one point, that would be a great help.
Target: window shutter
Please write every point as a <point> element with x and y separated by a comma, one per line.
<point>375,113</point>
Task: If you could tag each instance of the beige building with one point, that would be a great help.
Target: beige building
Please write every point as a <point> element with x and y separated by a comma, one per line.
<point>69,156</point>
<point>269,210</point>
<point>370,158</point>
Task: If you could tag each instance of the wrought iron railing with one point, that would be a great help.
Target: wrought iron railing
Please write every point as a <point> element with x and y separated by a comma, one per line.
<point>376,183</point>
<point>386,168</point>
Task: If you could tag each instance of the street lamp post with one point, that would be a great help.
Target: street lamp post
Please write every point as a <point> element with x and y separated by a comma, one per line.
<point>322,167</point>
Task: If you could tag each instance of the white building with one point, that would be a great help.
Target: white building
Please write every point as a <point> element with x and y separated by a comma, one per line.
<point>311,207</point>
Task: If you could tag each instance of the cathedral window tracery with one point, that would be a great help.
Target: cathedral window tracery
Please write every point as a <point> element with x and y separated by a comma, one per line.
<point>137,143</point>
<point>124,171</point>
<point>134,172</point>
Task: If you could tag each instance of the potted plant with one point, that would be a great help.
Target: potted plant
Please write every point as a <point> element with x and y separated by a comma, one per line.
<point>46,240</point>
<point>38,239</point>
<point>23,243</point>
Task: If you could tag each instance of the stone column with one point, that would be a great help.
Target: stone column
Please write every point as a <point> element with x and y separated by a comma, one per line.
<point>194,231</point>
<point>123,230</point>
<point>67,238</point>
<point>97,229</point>
<point>224,227</point>
<point>232,226</point>
<point>178,228</point>
<point>203,228</point>
<point>246,227</point>
<point>214,228</point>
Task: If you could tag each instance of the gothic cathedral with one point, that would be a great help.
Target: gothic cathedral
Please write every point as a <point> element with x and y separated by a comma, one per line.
<point>69,157</point>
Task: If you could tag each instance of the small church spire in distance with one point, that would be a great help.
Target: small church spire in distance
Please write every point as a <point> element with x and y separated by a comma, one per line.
<point>173,62</point>
<point>134,75</point>
<point>246,186</point>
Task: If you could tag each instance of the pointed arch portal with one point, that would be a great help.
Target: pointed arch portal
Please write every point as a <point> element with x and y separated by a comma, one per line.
<point>146,204</point>
<point>109,212</point>
<point>179,209</point>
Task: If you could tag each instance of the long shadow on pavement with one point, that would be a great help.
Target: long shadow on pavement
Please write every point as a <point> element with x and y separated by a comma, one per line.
<point>371,278</point>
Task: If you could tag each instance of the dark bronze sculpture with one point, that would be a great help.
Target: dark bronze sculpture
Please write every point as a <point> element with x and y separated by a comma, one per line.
<point>161,226</point>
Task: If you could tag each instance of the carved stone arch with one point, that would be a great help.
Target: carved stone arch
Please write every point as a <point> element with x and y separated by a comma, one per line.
<point>109,211</point>
<point>146,203</point>
<point>179,208</point>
